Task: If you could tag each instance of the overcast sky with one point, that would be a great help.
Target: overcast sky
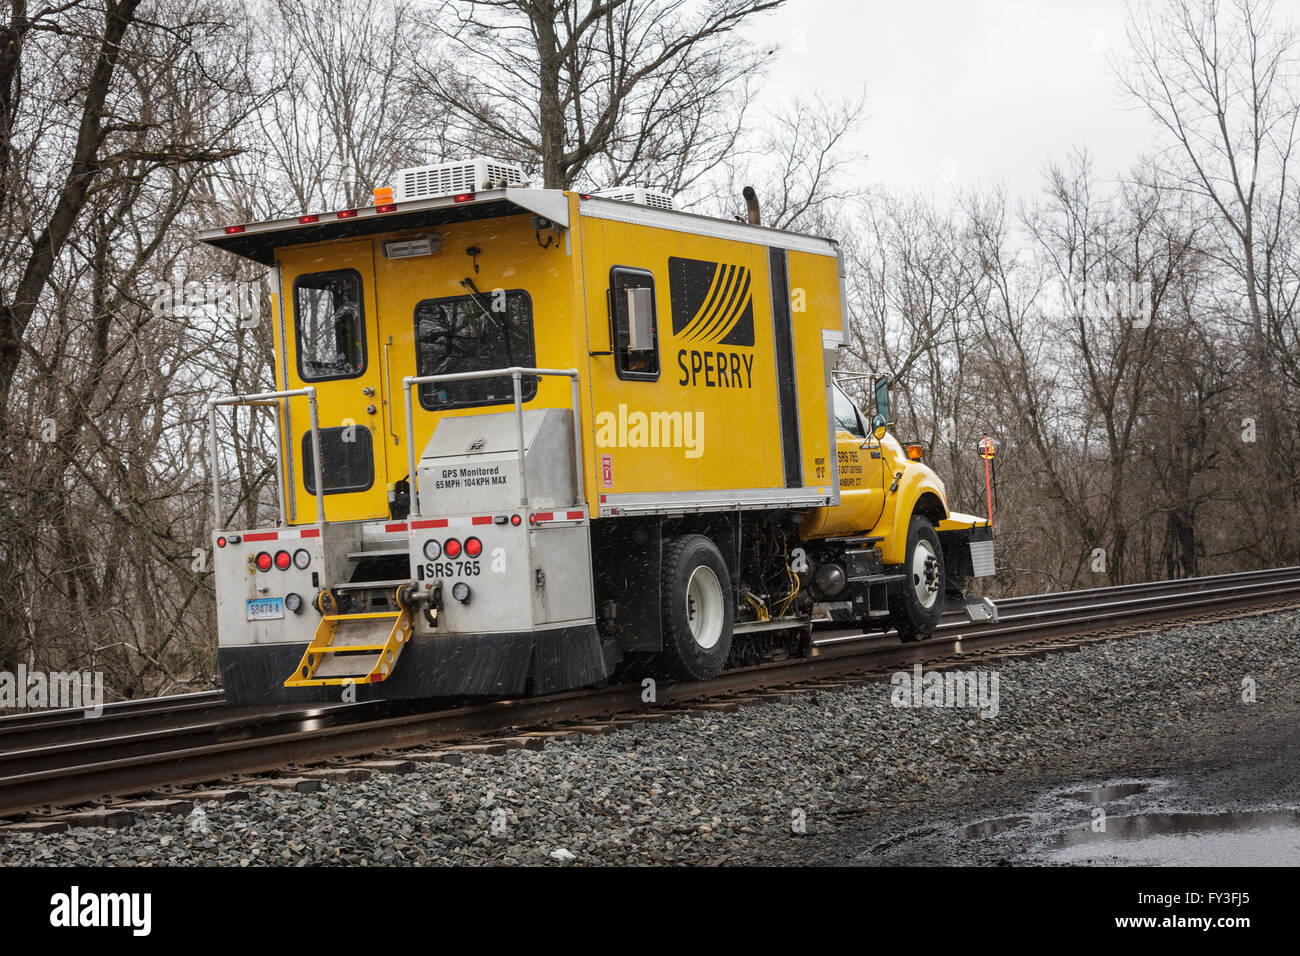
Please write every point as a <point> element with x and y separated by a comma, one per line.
<point>965,92</point>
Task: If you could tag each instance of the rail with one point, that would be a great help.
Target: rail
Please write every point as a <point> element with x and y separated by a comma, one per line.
<point>84,758</point>
<point>516,374</point>
<point>276,400</point>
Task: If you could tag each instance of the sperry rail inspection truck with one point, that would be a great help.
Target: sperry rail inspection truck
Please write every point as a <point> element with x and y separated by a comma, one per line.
<point>528,437</point>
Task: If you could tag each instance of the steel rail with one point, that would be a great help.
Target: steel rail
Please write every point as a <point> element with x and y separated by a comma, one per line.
<point>260,741</point>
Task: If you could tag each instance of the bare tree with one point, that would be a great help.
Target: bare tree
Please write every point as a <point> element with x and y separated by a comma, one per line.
<point>608,91</point>
<point>1220,80</point>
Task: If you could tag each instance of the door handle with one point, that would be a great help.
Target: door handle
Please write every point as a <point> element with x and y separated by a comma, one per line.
<point>388,391</point>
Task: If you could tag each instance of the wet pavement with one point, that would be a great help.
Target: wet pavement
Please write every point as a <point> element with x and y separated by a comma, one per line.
<point>1165,821</point>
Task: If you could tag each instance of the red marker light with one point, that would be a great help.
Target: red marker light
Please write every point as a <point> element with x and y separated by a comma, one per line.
<point>234,230</point>
<point>473,547</point>
<point>386,207</point>
<point>532,519</point>
<point>221,542</point>
<point>263,561</point>
<point>282,560</point>
<point>514,520</point>
<point>451,548</point>
<point>305,220</point>
<point>346,214</point>
<point>463,197</point>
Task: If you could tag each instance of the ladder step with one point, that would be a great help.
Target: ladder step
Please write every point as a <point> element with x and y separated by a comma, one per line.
<point>364,585</point>
<point>348,647</point>
<point>336,666</point>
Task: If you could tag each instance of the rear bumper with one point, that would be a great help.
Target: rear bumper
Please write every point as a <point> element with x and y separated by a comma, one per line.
<point>455,665</point>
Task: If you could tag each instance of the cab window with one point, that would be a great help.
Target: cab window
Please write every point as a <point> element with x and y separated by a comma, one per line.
<point>846,415</point>
<point>471,333</point>
<point>329,325</point>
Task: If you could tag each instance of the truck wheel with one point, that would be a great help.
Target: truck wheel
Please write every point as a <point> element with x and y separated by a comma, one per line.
<point>917,609</point>
<point>698,615</point>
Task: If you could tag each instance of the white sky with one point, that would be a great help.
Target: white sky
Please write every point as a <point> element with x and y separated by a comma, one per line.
<point>964,92</point>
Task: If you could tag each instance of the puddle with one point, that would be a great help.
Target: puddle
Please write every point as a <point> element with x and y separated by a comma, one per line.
<point>1109,794</point>
<point>988,828</point>
<point>1256,838</point>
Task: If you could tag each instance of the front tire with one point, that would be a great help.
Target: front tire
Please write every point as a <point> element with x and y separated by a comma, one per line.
<point>916,611</point>
<point>698,613</point>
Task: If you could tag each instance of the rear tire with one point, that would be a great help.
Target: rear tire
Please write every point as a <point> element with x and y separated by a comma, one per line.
<point>698,613</point>
<point>916,611</point>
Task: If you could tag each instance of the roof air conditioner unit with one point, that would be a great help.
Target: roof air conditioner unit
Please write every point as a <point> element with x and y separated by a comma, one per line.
<point>638,194</point>
<point>451,179</point>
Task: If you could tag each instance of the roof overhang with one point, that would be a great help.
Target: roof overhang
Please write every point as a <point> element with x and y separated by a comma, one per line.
<point>259,240</point>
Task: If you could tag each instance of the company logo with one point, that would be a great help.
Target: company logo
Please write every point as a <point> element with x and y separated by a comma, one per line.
<point>712,302</point>
<point>713,305</point>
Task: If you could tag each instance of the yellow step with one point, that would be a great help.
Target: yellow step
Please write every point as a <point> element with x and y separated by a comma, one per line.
<point>358,648</point>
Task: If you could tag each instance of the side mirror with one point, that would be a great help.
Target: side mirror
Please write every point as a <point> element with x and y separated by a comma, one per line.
<point>881,388</point>
<point>878,423</point>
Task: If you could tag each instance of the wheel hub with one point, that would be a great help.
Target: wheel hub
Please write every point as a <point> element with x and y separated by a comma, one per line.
<point>704,607</point>
<point>925,574</point>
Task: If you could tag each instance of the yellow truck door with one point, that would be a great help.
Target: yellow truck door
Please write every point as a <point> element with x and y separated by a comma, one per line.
<point>862,477</point>
<point>333,345</point>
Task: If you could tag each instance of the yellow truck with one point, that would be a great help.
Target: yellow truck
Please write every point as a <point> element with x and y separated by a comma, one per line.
<point>531,438</point>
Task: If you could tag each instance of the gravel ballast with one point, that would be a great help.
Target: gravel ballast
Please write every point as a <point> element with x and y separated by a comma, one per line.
<point>781,782</point>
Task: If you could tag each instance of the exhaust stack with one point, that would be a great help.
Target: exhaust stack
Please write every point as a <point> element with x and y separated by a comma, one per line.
<point>751,205</point>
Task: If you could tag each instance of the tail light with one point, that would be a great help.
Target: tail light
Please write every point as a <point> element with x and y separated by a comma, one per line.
<point>282,560</point>
<point>451,548</point>
<point>221,542</point>
<point>473,547</point>
<point>263,561</point>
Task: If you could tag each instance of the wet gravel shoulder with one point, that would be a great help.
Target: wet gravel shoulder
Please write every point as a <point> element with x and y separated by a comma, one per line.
<point>830,777</point>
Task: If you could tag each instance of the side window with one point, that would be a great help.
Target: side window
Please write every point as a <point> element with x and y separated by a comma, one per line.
<point>846,415</point>
<point>473,334</point>
<point>633,323</point>
<point>329,325</point>
<point>347,460</point>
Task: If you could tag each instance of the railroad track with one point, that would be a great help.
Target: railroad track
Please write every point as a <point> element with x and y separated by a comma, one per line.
<point>58,758</point>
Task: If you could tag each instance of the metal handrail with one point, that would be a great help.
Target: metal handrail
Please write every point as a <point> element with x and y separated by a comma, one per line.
<point>516,374</point>
<point>275,399</point>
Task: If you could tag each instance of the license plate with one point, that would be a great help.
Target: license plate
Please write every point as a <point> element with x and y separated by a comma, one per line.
<point>266,609</point>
